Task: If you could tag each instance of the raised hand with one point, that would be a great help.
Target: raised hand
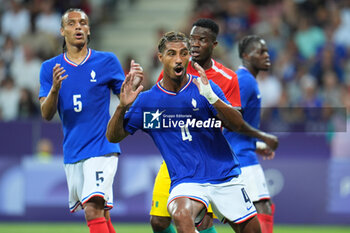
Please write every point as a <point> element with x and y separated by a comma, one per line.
<point>201,73</point>
<point>204,86</point>
<point>128,94</point>
<point>135,68</point>
<point>57,77</point>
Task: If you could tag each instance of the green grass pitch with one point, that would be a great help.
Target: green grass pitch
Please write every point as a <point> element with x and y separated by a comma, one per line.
<point>145,228</point>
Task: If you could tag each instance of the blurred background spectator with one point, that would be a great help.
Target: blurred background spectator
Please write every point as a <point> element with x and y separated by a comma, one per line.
<point>44,150</point>
<point>48,20</point>
<point>15,22</point>
<point>9,99</point>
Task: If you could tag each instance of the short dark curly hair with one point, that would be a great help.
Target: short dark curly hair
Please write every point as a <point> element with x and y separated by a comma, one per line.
<point>208,23</point>
<point>172,37</point>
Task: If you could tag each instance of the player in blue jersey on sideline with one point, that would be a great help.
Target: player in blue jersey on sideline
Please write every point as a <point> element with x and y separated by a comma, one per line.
<point>255,58</point>
<point>183,114</point>
<point>77,84</point>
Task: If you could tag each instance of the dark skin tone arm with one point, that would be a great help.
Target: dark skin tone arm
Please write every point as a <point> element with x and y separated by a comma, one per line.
<point>270,140</point>
<point>232,118</point>
<point>250,131</point>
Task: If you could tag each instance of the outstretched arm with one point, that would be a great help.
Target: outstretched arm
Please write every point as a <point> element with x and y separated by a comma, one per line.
<point>268,143</point>
<point>270,140</point>
<point>115,129</point>
<point>48,105</point>
<point>231,117</point>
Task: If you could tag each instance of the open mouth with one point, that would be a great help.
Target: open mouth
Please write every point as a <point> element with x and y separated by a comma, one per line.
<point>78,35</point>
<point>178,70</point>
<point>194,53</point>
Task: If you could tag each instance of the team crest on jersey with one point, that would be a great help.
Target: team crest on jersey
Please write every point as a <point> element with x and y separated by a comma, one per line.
<point>93,76</point>
<point>194,104</point>
<point>151,120</point>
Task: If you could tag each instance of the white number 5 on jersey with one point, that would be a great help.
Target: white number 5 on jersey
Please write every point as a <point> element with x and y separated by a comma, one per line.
<point>78,105</point>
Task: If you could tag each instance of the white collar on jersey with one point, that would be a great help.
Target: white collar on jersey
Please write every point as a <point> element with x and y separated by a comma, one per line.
<point>65,57</point>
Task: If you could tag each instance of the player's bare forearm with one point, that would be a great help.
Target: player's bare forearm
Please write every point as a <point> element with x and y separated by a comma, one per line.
<point>269,139</point>
<point>115,129</point>
<point>250,131</point>
<point>48,105</point>
<point>230,117</point>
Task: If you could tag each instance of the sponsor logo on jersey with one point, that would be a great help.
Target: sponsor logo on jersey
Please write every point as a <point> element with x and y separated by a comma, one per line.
<point>151,120</point>
<point>158,120</point>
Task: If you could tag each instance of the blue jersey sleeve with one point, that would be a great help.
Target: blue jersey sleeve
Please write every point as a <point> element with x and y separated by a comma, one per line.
<point>45,80</point>
<point>117,74</point>
<point>133,118</point>
<point>246,89</point>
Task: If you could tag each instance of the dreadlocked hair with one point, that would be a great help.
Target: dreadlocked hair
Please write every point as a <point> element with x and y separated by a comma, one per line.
<point>245,44</point>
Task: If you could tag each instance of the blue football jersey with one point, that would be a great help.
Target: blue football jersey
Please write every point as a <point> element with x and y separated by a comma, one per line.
<point>187,133</point>
<point>83,102</point>
<point>244,146</point>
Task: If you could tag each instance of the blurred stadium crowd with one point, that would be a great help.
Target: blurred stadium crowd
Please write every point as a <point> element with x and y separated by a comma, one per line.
<point>308,42</point>
<point>309,50</point>
<point>308,46</point>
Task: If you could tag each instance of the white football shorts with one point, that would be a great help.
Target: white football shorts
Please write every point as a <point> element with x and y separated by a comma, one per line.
<point>90,178</point>
<point>229,200</point>
<point>254,179</point>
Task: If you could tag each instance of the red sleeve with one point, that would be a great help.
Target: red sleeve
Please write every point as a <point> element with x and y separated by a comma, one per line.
<point>233,96</point>
<point>160,76</point>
